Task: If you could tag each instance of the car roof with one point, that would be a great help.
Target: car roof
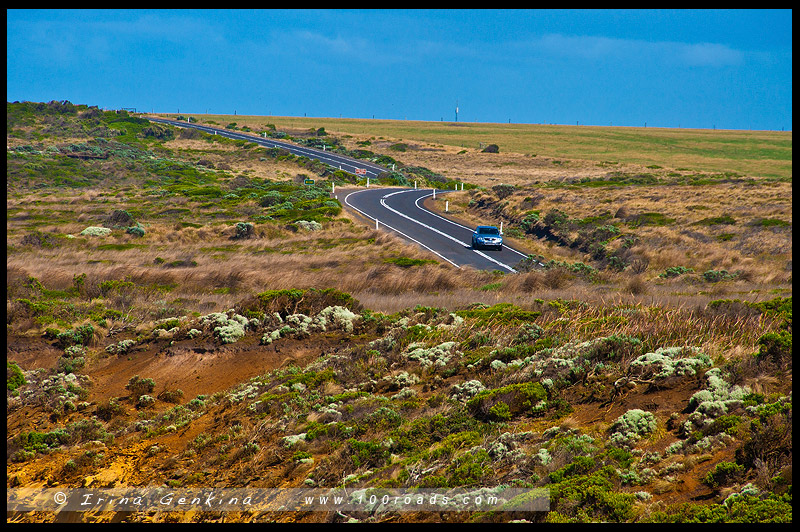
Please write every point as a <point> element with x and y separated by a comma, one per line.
<point>486,226</point>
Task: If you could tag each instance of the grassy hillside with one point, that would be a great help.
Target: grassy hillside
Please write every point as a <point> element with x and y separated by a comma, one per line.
<point>183,312</point>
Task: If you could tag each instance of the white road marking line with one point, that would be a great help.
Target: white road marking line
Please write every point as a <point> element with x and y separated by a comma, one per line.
<point>332,160</point>
<point>454,239</point>
<point>456,223</point>
<point>396,230</point>
<point>317,155</point>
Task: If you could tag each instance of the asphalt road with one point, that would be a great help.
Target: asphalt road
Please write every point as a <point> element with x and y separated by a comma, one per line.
<point>400,210</point>
<point>341,162</point>
<point>396,209</point>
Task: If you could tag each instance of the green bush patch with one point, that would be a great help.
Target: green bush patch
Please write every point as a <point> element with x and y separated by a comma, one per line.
<point>502,404</point>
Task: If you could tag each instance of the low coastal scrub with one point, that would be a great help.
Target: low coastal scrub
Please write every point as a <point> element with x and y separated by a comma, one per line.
<point>252,334</point>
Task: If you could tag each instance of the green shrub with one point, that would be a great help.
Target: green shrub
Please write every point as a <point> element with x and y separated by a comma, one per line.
<point>771,222</point>
<point>14,377</point>
<point>41,441</point>
<point>139,386</point>
<point>136,230</point>
<point>469,469</point>
<point>728,424</point>
<point>555,217</point>
<point>500,412</point>
<point>714,276</point>
<point>744,509</point>
<point>581,465</point>
<point>525,398</point>
<point>423,432</point>
<point>145,400</point>
<point>529,222</point>
<point>614,347</point>
<point>301,455</point>
<point>769,438</point>
<point>592,497</point>
<point>503,191</point>
<point>775,347</point>
<point>397,179</point>
<point>244,230</point>
<point>81,335</point>
<point>675,271</point>
<point>725,219</point>
<point>723,474</point>
<point>367,453</point>
<point>384,418</point>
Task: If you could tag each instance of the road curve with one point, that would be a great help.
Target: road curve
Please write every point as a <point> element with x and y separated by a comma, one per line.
<point>397,209</point>
<point>342,162</point>
<point>400,210</point>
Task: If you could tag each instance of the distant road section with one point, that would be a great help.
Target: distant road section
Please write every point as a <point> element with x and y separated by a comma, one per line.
<point>348,164</point>
<point>399,210</point>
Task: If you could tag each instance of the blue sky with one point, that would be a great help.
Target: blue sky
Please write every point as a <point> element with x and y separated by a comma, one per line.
<point>724,69</point>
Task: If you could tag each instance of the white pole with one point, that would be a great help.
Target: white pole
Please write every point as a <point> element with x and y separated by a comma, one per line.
<point>415,185</point>
<point>333,187</point>
<point>376,224</point>
<point>447,206</point>
<point>434,193</point>
<point>501,228</point>
<point>368,181</point>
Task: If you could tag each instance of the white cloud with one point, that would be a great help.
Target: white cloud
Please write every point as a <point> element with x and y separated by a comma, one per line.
<point>709,54</point>
<point>592,48</point>
<point>78,42</point>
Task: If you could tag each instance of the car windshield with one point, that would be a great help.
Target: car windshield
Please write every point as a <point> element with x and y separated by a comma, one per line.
<point>488,231</point>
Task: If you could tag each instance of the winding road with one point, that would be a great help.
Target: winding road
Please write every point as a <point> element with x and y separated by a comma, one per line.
<point>348,164</point>
<point>399,210</point>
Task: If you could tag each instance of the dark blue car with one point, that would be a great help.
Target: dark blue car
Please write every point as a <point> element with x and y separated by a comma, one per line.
<point>487,236</point>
